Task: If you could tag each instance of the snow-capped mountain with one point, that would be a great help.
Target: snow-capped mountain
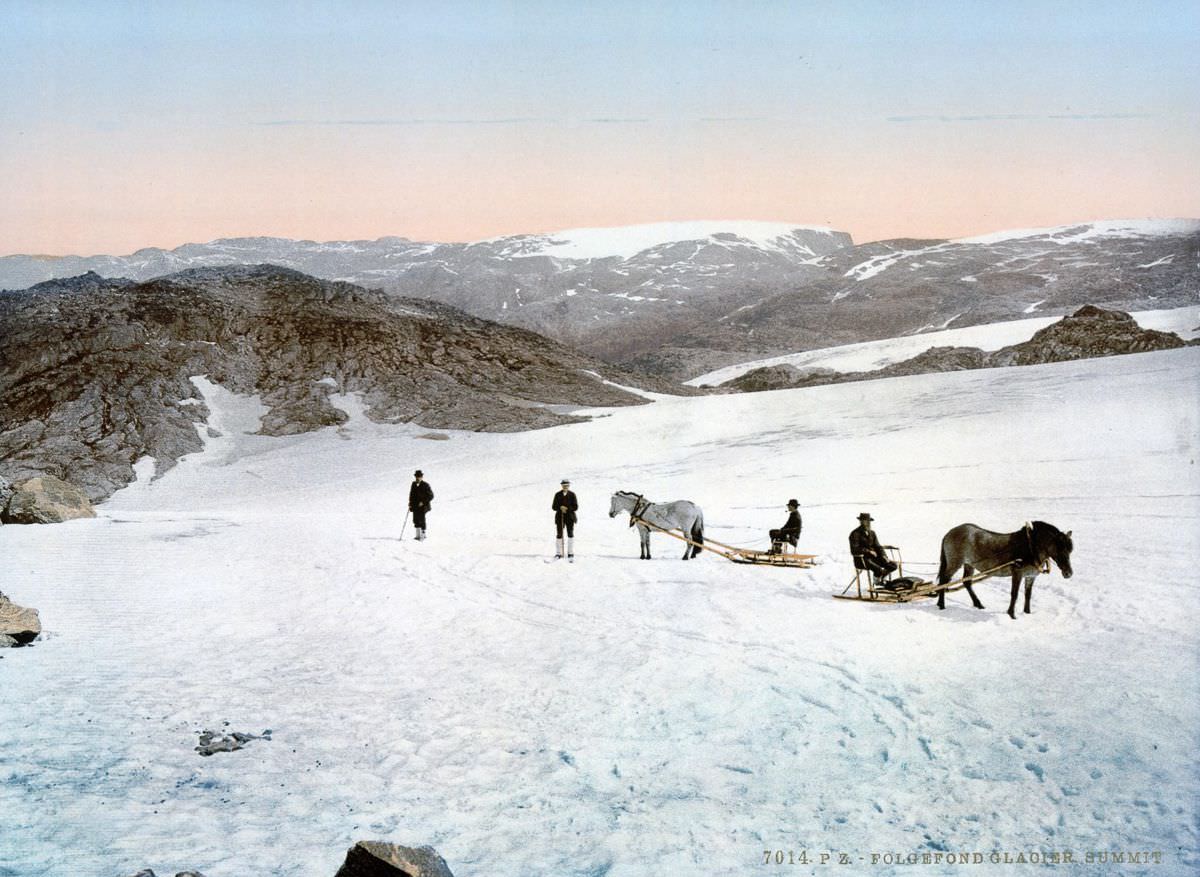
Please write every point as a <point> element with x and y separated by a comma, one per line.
<point>683,298</point>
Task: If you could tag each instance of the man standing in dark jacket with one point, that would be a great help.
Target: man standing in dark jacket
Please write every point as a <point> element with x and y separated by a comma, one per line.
<point>565,506</point>
<point>789,532</point>
<point>420,498</point>
<point>868,553</point>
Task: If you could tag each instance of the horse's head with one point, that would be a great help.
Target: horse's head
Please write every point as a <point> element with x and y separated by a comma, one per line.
<point>620,503</point>
<point>1057,545</point>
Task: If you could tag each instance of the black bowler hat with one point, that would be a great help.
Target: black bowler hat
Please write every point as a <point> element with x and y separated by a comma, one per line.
<point>865,517</point>
<point>792,504</point>
<point>418,474</point>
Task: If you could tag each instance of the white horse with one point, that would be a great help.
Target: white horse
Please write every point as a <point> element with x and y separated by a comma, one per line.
<point>679,515</point>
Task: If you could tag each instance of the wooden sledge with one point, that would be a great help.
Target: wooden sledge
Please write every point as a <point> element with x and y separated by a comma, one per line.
<point>740,555</point>
<point>914,588</point>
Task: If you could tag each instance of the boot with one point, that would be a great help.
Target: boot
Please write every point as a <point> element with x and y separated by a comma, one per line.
<point>570,548</point>
<point>558,549</point>
<point>421,534</point>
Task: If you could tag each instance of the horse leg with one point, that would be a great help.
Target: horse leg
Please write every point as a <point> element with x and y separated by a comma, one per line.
<point>1016,588</point>
<point>944,575</point>
<point>644,542</point>
<point>968,572</point>
<point>1028,592</point>
<point>687,551</point>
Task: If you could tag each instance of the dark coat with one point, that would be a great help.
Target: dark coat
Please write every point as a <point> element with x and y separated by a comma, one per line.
<point>560,501</point>
<point>791,530</point>
<point>420,496</point>
<point>865,542</point>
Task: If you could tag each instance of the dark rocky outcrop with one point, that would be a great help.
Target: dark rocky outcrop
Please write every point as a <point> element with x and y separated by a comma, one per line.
<point>95,373</point>
<point>1087,333</point>
<point>45,500</point>
<point>18,625</point>
<point>146,872</point>
<point>369,858</point>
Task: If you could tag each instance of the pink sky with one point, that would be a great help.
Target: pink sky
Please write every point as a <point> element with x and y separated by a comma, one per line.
<point>155,127</point>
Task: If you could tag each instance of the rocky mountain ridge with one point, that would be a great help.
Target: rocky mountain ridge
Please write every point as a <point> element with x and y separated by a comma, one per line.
<point>681,299</point>
<point>95,372</point>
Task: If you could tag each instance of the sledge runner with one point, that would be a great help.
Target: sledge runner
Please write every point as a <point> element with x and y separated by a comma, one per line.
<point>565,506</point>
<point>789,532</point>
<point>420,499</point>
<point>868,553</point>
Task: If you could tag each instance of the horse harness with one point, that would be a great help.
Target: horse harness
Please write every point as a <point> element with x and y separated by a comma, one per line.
<point>639,505</point>
<point>1042,564</point>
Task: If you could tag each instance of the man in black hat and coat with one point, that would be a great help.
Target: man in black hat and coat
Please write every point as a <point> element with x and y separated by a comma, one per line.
<point>565,506</point>
<point>420,498</point>
<point>789,532</point>
<point>868,553</point>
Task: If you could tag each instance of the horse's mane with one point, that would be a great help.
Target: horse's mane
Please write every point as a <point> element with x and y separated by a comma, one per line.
<point>1053,532</point>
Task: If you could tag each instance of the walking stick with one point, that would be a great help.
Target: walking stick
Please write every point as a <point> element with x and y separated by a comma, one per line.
<point>405,524</point>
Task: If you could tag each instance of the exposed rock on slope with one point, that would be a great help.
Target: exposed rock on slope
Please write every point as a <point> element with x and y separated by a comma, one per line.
<point>95,373</point>
<point>1087,333</point>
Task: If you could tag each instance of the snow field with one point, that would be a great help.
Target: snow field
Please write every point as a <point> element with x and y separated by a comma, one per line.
<point>617,716</point>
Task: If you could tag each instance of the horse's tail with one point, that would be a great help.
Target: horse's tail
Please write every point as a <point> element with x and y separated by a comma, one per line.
<point>943,566</point>
<point>698,533</point>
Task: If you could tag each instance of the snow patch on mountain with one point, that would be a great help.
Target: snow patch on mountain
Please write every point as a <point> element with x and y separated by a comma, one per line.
<point>1070,234</point>
<point>627,241</point>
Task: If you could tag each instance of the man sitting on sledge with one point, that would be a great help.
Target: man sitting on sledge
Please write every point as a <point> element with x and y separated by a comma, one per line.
<point>789,532</point>
<point>868,553</point>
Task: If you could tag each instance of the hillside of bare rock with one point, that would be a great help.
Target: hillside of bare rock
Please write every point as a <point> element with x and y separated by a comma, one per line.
<point>95,372</point>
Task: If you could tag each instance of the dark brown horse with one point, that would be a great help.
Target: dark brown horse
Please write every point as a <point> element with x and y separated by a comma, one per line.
<point>982,553</point>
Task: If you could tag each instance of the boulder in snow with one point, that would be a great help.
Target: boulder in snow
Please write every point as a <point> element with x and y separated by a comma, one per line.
<point>372,858</point>
<point>46,500</point>
<point>212,742</point>
<point>18,625</point>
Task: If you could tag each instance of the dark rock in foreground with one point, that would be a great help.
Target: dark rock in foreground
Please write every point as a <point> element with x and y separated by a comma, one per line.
<point>45,500</point>
<point>212,742</point>
<point>370,858</point>
<point>18,625</point>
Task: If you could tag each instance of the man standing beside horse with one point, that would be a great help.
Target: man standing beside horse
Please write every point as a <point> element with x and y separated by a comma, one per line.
<point>868,553</point>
